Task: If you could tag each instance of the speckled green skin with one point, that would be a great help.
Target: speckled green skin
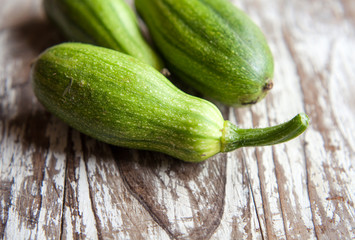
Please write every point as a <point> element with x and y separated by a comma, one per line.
<point>122,101</point>
<point>119,100</point>
<point>213,46</point>
<point>107,23</point>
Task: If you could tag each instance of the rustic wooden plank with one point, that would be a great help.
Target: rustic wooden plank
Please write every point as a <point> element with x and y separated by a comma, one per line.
<point>26,157</point>
<point>263,178</point>
<point>56,183</point>
<point>286,100</point>
<point>78,216</point>
<point>118,213</point>
<point>329,154</point>
<point>52,186</point>
<point>241,220</point>
<point>31,179</point>
<point>267,175</point>
<point>185,199</point>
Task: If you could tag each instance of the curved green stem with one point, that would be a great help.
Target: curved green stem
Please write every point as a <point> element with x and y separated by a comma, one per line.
<point>234,137</point>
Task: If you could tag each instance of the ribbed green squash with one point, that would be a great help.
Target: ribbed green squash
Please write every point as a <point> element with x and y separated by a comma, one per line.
<point>120,100</point>
<point>213,46</point>
<point>108,23</point>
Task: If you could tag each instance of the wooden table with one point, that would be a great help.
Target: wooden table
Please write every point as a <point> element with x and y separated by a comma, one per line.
<point>56,183</point>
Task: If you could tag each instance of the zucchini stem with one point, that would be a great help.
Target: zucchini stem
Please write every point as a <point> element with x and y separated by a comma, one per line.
<point>234,137</point>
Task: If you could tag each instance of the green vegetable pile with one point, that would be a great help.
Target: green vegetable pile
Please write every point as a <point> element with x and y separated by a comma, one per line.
<point>109,86</point>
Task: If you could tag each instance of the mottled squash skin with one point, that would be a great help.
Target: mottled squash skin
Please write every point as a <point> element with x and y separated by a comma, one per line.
<point>120,100</point>
<point>212,46</point>
<point>106,23</point>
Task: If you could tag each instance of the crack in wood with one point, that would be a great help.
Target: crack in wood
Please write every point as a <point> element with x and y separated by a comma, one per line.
<point>139,189</point>
<point>62,219</point>
<point>253,198</point>
<point>141,200</point>
<point>40,189</point>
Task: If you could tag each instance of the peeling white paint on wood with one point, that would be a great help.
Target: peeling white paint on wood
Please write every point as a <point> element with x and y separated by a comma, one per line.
<point>239,208</point>
<point>58,184</point>
<point>52,189</point>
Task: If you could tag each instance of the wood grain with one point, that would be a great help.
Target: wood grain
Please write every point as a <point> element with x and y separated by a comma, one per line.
<point>56,183</point>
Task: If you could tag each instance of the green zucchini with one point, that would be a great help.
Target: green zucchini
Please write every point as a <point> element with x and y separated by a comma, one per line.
<point>108,23</point>
<point>118,99</point>
<point>212,46</point>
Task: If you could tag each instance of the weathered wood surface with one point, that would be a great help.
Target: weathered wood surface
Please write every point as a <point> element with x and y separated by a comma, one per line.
<point>56,183</point>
